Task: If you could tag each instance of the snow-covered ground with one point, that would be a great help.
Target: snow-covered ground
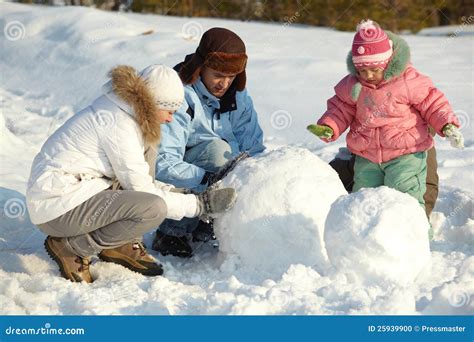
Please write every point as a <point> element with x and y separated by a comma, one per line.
<point>275,257</point>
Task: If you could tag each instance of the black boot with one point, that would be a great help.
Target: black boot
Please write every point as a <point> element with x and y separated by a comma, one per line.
<point>167,244</point>
<point>204,231</point>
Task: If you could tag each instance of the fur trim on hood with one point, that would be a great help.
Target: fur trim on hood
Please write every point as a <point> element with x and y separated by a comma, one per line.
<point>132,89</point>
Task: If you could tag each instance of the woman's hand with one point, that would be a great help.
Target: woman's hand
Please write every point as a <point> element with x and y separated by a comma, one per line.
<point>215,199</point>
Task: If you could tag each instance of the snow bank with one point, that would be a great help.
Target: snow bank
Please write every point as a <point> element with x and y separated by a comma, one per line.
<point>278,220</point>
<point>457,225</point>
<point>380,235</point>
<point>455,297</point>
<point>16,228</point>
<point>451,31</point>
<point>21,133</point>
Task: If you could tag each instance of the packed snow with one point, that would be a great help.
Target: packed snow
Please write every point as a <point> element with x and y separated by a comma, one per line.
<point>269,234</point>
<point>381,235</point>
<point>295,243</point>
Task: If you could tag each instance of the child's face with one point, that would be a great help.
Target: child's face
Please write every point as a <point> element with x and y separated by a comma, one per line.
<point>371,75</point>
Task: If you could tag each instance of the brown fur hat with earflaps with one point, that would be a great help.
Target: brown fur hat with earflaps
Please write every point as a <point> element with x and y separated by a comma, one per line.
<point>219,49</point>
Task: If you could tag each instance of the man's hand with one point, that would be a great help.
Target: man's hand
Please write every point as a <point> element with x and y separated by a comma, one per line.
<point>321,131</point>
<point>454,136</point>
<point>212,178</point>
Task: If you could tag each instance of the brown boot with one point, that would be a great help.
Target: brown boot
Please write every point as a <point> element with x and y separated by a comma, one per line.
<point>71,266</point>
<point>133,256</point>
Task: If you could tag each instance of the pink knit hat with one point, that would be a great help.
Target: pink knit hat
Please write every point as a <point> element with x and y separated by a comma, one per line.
<point>371,46</point>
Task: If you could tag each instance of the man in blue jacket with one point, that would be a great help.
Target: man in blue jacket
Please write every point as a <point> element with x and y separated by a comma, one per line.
<point>216,122</point>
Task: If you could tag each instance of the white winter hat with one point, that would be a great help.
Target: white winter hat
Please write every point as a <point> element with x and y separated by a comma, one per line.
<point>165,85</point>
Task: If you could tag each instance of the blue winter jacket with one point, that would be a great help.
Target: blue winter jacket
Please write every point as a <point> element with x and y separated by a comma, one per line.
<point>204,117</point>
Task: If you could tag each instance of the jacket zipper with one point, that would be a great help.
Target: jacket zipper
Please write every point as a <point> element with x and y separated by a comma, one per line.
<point>377,132</point>
<point>218,113</point>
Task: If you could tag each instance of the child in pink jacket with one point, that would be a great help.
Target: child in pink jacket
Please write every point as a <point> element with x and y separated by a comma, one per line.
<point>388,106</point>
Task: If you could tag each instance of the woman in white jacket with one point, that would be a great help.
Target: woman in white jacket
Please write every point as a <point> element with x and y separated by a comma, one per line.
<point>92,188</point>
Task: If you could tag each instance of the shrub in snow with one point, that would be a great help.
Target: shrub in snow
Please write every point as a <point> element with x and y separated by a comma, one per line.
<point>283,200</point>
<point>378,234</point>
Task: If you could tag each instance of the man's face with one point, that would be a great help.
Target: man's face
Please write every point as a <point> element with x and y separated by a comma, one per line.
<point>216,82</point>
<point>164,116</point>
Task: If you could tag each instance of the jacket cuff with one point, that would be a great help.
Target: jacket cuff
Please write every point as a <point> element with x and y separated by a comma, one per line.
<point>328,121</point>
<point>439,130</point>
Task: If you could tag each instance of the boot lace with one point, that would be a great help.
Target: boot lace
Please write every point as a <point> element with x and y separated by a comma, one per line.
<point>84,264</point>
<point>139,245</point>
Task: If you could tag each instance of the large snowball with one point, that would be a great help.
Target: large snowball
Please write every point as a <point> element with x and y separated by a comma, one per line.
<point>284,197</point>
<point>379,234</point>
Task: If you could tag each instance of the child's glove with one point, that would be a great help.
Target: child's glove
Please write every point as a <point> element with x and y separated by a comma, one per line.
<point>454,136</point>
<point>321,131</point>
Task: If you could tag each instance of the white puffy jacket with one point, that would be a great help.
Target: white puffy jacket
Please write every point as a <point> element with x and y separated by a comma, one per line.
<point>101,142</point>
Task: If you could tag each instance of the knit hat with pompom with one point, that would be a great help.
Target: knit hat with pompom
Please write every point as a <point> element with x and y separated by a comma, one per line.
<point>371,46</point>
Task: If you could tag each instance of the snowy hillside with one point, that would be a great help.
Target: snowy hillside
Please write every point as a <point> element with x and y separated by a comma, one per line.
<point>284,250</point>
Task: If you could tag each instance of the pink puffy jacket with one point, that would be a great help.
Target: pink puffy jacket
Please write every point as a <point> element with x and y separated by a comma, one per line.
<point>392,118</point>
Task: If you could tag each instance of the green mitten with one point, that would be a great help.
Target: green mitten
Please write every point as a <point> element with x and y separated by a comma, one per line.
<point>321,131</point>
